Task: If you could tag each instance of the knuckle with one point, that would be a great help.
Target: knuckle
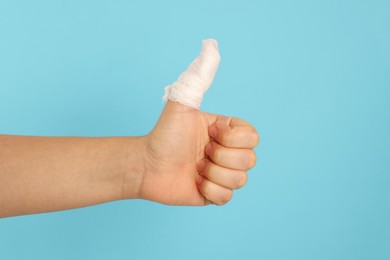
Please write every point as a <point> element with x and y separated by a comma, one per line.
<point>240,180</point>
<point>225,138</point>
<point>250,159</point>
<point>255,137</point>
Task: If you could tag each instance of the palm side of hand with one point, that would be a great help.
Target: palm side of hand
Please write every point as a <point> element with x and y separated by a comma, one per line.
<point>175,148</point>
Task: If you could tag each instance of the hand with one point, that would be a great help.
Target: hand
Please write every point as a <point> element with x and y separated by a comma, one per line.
<point>193,157</point>
<point>196,158</point>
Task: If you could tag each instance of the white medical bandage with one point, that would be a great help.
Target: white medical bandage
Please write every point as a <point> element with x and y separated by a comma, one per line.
<point>191,85</point>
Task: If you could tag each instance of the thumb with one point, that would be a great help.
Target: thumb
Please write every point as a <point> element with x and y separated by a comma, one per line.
<point>196,80</point>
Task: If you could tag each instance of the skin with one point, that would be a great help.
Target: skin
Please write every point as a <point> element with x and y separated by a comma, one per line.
<point>189,158</point>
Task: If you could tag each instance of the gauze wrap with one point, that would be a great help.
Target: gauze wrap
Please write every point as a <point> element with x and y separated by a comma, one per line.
<point>191,85</point>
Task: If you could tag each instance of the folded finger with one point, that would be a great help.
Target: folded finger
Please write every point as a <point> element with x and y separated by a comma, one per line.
<point>228,178</point>
<point>213,192</point>
<point>234,132</point>
<point>233,158</point>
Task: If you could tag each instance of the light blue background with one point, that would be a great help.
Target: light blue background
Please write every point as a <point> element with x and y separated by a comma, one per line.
<point>312,76</point>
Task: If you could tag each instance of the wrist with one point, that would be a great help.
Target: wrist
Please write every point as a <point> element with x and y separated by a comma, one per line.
<point>134,169</point>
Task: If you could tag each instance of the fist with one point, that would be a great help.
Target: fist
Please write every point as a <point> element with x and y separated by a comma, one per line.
<point>228,157</point>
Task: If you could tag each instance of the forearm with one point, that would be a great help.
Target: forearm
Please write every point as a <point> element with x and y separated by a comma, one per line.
<point>41,174</point>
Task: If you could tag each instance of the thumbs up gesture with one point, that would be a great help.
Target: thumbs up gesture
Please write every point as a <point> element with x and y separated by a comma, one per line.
<point>193,157</point>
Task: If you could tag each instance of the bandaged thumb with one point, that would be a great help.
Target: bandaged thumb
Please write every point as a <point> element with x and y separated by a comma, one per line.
<point>191,85</point>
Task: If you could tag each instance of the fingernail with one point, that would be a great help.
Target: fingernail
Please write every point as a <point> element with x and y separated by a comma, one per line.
<point>213,131</point>
<point>201,165</point>
<point>199,179</point>
<point>208,149</point>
